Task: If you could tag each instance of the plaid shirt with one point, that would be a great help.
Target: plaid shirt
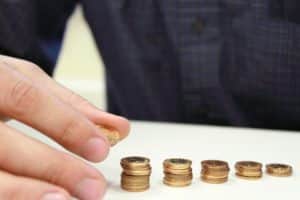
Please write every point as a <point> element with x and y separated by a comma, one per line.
<point>230,62</point>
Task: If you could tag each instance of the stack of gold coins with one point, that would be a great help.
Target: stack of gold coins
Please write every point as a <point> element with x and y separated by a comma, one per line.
<point>214,171</point>
<point>112,135</point>
<point>249,170</point>
<point>136,174</point>
<point>279,170</point>
<point>178,172</point>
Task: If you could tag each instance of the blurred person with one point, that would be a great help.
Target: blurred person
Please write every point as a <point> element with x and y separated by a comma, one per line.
<point>218,62</point>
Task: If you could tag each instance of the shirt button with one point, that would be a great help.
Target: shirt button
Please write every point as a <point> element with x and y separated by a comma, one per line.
<point>198,25</point>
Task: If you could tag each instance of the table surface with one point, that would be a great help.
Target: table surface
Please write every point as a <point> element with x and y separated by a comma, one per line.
<point>159,141</point>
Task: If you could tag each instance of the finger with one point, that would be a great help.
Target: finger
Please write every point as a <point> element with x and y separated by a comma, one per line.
<point>22,100</point>
<point>24,156</point>
<point>94,114</point>
<point>14,187</point>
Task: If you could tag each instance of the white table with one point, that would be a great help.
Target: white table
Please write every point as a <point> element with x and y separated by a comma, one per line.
<point>159,141</point>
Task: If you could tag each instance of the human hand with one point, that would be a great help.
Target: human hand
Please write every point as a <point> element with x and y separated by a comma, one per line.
<point>32,170</point>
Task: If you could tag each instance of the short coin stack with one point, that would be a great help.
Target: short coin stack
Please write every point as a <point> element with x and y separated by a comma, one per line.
<point>214,171</point>
<point>279,170</point>
<point>178,172</point>
<point>249,170</point>
<point>136,174</point>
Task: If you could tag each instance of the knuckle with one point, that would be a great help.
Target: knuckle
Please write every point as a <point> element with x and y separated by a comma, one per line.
<point>76,100</point>
<point>22,97</point>
<point>60,170</point>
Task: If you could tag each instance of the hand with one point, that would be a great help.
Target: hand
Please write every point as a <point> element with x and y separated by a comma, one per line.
<point>32,170</point>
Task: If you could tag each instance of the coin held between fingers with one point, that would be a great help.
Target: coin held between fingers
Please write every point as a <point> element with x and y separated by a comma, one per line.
<point>112,135</point>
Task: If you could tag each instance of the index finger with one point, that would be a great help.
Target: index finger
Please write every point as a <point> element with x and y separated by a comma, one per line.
<point>94,114</point>
<point>21,99</point>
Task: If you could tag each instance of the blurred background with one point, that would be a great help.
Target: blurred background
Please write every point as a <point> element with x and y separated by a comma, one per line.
<point>80,66</point>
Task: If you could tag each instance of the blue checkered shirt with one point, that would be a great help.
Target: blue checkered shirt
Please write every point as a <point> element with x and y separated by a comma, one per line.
<point>228,62</point>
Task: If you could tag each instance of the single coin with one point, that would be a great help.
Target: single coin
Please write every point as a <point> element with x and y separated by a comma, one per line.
<point>112,135</point>
<point>215,165</point>
<point>136,185</point>
<point>248,165</point>
<point>135,189</point>
<point>137,172</point>
<point>133,185</point>
<point>176,176</point>
<point>214,180</point>
<point>178,179</point>
<point>279,170</point>
<point>127,178</point>
<point>178,171</point>
<point>212,176</point>
<point>145,167</point>
<point>177,163</point>
<point>135,162</point>
<point>247,177</point>
<point>177,183</point>
<point>258,173</point>
<point>215,172</point>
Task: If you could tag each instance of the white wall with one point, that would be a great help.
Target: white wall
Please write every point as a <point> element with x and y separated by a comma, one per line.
<point>80,67</point>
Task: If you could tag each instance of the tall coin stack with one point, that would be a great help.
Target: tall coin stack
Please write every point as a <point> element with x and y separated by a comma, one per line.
<point>178,172</point>
<point>249,170</point>
<point>136,174</point>
<point>214,171</point>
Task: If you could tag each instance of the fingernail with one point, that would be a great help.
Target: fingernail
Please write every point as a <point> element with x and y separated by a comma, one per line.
<point>90,189</point>
<point>96,149</point>
<point>54,196</point>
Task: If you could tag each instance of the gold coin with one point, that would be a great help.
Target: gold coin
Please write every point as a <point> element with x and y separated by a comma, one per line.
<point>214,172</point>
<point>248,165</point>
<point>217,165</point>
<point>146,171</point>
<point>137,173</point>
<point>124,175</point>
<point>134,185</point>
<point>250,173</point>
<point>142,184</point>
<point>183,179</point>
<point>146,167</point>
<point>177,184</point>
<point>135,189</point>
<point>112,136</point>
<point>212,176</point>
<point>135,180</point>
<point>178,171</point>
<point>248,177</point>
<point>214,180</point>
<point>173,176</point>
<point>279,170</point>
<point>135,162</point>
<point>177,163</point>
